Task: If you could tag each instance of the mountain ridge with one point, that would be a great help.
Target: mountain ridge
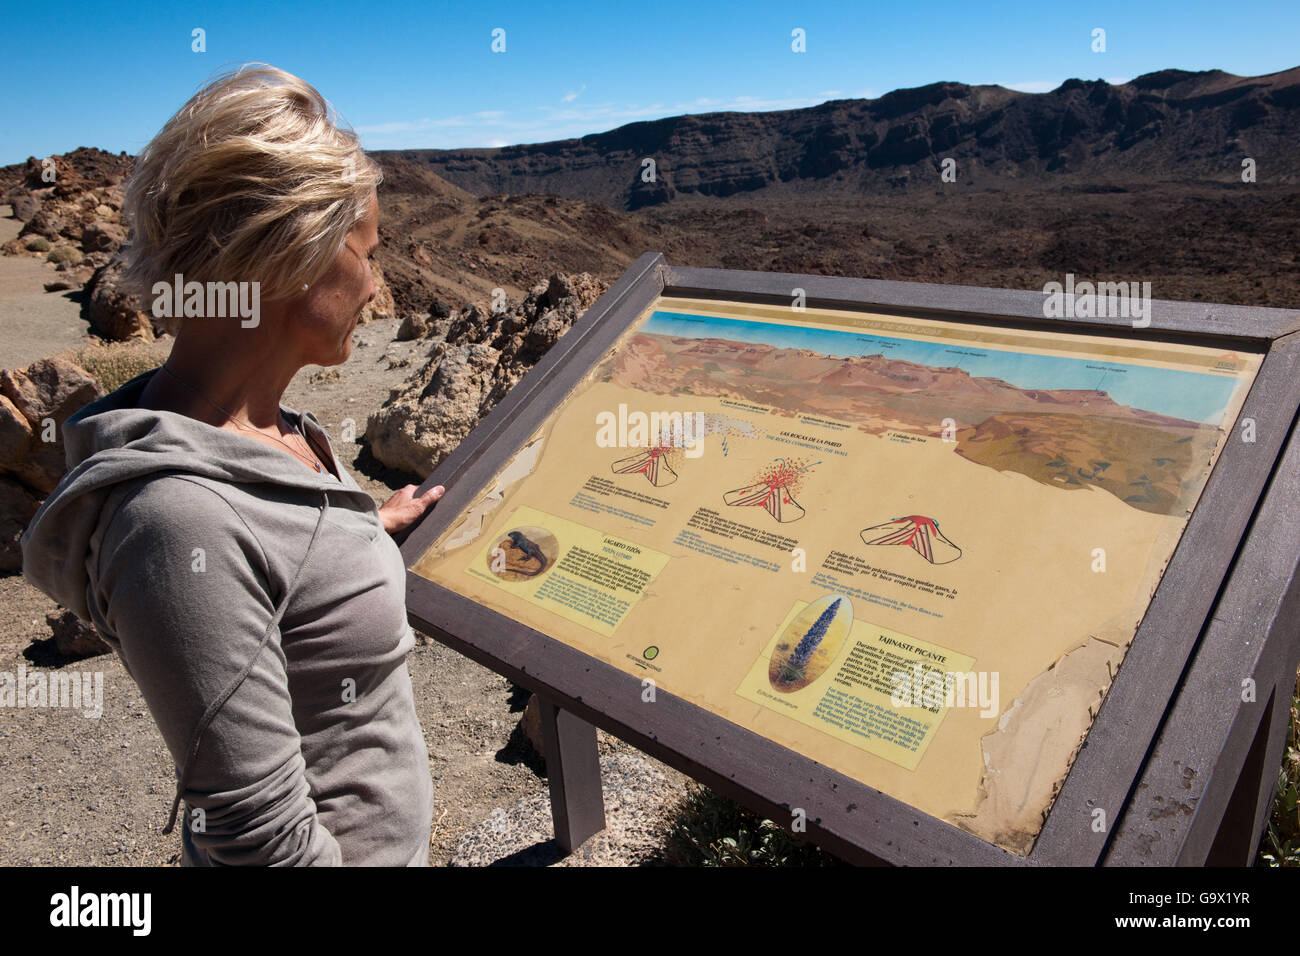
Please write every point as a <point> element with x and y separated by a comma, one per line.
<point>1070,439</point>
<point>849,375</point>
<point>1158,125</point>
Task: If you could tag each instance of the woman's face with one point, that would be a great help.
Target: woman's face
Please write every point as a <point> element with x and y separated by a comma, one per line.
<point>335,301</point>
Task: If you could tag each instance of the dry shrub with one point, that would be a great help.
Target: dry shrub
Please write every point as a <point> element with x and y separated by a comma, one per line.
<point>116,363</point>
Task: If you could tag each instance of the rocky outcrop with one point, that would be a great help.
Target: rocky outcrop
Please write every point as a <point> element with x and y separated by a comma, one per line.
<point>416,326</point>
<point>17,506</point>
<point>483,356</point>
<point>381,306</point>
<point>34,404</point>
<point>24,206</point>
<point>116,314</point>
<point>44,223</point>
<point>78,217</point>
<point>70,207</point>
<point>102,237</point>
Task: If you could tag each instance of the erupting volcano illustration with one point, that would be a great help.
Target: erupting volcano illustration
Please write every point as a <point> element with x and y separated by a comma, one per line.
<point>774,490</point>
<point>653,463</point>
<point>917,532</point>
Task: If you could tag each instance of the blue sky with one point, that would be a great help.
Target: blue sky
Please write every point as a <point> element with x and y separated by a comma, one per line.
<point>1191,396</point>
<point>424,75</point>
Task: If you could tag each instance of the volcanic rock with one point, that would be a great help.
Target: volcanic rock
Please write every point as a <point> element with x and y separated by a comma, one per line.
<point>413,326</point>
<point>102,237</point>
<point>73,637</point>
<point>484,355</point>
<point>15,432</point>
<point>34,404</point>
<point>24,205</point>
<point>42,397</point>
<point>115,313</point>
<point>381,306</point>
<point>17,506</point>
<point>44,223</point>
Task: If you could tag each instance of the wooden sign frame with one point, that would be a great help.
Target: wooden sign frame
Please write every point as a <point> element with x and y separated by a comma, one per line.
<point>1182,755</point>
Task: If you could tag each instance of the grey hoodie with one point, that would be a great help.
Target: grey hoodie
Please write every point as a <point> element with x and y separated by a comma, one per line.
<point>260,607</point>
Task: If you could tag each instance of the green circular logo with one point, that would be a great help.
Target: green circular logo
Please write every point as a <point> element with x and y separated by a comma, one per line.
<point>650,653</point>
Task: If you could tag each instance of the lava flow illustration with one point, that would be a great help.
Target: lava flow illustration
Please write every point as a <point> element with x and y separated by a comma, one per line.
<point>774,490</point>
<point>917,532</point>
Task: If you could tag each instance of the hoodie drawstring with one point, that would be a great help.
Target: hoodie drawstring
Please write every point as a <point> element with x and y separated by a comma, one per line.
<point>220,702</point>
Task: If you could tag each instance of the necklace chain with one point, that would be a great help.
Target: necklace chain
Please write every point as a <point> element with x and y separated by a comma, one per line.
<point>313,462</point>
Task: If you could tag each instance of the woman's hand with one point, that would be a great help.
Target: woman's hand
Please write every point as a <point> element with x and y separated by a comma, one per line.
<point>404,509</point>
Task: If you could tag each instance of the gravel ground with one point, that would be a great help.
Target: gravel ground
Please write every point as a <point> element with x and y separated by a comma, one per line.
<point>522,835</point>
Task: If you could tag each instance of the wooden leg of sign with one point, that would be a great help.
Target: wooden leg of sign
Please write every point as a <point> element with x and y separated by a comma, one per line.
<point>1237,840</point>
<point>573,769</point>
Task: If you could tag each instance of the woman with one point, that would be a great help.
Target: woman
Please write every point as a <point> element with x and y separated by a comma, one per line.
<point>209,532</point>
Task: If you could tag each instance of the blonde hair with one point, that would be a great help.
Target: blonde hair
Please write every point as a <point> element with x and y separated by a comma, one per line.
<point>253,179</point>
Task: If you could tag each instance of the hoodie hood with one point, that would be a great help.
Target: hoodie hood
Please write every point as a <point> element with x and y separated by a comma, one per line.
<point>112,441</point>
